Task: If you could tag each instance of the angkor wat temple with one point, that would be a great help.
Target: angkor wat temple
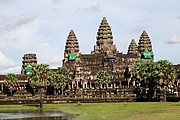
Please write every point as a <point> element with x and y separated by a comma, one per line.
<point>105,56</point>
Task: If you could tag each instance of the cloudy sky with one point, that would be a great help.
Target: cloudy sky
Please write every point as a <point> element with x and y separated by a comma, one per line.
<point>42,27</point>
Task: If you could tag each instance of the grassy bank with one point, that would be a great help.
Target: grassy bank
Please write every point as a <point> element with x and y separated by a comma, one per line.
<point>114,111</point>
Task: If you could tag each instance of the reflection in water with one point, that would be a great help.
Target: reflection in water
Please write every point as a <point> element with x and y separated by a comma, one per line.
<point>34,115</point>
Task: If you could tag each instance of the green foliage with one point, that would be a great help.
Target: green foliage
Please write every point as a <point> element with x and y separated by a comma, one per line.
<point>58,79</point>
<point>102,77</point>
<point>63,71</point>
<point>38,75</point>
<point>154,74</point>
<point>159,72</point>
<point>11,82</point>
<point>165,71</point>
<point>38,78</point>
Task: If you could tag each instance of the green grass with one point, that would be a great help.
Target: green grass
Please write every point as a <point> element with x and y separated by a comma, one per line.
<point>114,111</point>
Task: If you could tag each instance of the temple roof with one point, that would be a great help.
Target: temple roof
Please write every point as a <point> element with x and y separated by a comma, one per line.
<point>104,43</point>
<point>72,45</point>
<point>132,47</point>
<point>144,43</point>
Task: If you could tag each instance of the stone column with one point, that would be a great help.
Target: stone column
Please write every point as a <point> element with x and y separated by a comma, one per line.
<point>90,85</point>
<point>2,87</point>
<point>83,85</point>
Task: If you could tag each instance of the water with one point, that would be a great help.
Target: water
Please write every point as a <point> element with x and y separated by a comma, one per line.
<point>34,115</point>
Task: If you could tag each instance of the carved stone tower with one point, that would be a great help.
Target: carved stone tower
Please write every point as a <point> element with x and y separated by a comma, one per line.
<point>133,49</point>
<point>28,60</point>
<point>104,43</point>
<point>144,43</point>
<point>71,52</point>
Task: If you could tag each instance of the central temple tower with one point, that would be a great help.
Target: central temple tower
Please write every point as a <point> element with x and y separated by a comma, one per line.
<point>104,43</point>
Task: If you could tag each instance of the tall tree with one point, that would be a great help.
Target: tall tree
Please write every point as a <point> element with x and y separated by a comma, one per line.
<point>38,78</point>
<point>141,70</point>
<point>11,82</point>
<point>102,77</point>
<point>62,78</point>
<point>58,79</point>
<point>154,74</point>
<point>166,72</point>
<point>165,75</point>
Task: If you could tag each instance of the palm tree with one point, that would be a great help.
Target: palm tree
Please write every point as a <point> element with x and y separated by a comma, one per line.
<point>38,78</point>
<point>102,77</point>
<point>141,70</point>
<point>60,82</point>
<point>62,78</point>
<point>165,75</point>
<point>142,73</point>
<point>63,70</point>
<point>11,82</point>
<point>58,79</point>
<point>154,74</point>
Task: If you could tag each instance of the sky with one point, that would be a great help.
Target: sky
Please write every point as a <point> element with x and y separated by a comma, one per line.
<point>42,27</point>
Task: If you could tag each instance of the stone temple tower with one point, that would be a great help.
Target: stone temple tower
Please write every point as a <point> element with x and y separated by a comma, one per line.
<point>145,47</point>
<point>28,60</point>
<point>144,43</point>
<point>71,52</point>
<point>104,43</point>
<point>133,48</point>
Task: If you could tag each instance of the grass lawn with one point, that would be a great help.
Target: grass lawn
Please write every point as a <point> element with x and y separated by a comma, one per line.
<point>114,111</point>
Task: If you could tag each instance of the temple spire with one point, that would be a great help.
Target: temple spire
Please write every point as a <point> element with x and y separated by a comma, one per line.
<point>144,43</point>
<point>132,49</point>
<point>29,59</point>
<point>72,46</point>
<point>104,43</point>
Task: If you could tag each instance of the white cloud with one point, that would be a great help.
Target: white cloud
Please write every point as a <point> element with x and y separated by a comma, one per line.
<point>7,65</point>
<point>175,39</point>
<point>15,69</point>
<point>44,47</point>
<point>18,22</point>
<point>92,8</point>
<point>4,61</point>
<point>178,17</point>
<point>19,33</point>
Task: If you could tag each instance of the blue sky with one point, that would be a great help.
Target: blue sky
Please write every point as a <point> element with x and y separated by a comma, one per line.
<point>42,27</point>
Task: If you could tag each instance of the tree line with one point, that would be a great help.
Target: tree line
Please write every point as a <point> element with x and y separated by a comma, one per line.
<point>151,76</point>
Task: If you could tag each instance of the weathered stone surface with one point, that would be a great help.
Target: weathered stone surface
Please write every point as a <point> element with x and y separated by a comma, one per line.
<point>72,46</point>
<point>28,59</point>
<point>104,43</point>
<point>144,43</point>
<point>133,48</point>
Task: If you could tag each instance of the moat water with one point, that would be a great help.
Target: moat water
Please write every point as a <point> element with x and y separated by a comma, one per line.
<point>34,115</point>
